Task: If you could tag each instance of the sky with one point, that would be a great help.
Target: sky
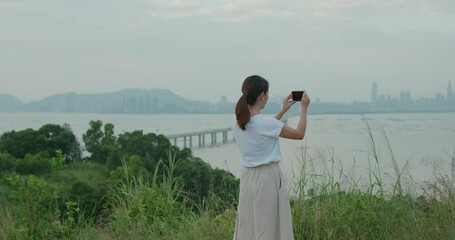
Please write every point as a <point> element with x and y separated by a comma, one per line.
<point>204,49</point>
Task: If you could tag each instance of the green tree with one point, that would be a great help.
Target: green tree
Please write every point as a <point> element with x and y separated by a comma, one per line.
<point>86,183</point>
<point>225,186</point>
<point>48,138</point>
<point>93,139</point>
<point>150,147</point>
<point>54,137</point>
<point>200,182</point>
<point>7,162</point>
<point>147,146</point>
<point>132,166</point>
<point>196,178</point>
<point>101,144</point>
<point>109,136</point>
<point>19,143</point>
<point>39,163</point>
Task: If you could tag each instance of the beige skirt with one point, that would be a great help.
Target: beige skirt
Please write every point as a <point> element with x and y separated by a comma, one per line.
<point>263,211</point>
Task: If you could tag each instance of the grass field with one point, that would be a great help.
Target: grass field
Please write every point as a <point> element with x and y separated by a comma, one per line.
<point>325,205</point>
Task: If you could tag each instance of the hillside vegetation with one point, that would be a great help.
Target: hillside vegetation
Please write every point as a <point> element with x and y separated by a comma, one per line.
<point>139,186</point>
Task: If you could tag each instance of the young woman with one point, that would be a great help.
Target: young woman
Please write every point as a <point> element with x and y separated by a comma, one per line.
<point>263,210</point>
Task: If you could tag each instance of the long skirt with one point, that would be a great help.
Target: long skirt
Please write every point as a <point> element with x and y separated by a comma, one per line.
<point>264,211</point>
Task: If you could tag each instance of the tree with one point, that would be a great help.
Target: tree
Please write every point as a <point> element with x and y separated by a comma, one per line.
<point>48,138</point>
<point>54,137</point>
<point>39,163</point>
<point>150,147</point>
<point>6,162</point>
<point>196,178</point>
<point>19,143</point>
<point>100,144</point>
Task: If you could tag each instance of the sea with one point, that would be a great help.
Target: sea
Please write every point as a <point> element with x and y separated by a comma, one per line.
<point>352,149</point>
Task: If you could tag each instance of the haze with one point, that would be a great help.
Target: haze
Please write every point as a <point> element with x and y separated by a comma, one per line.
<point>201,50</point>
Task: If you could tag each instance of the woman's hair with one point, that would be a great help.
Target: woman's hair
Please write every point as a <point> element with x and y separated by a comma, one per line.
<point>252,87</point>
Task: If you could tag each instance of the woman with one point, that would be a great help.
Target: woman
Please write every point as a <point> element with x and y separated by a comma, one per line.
<point>263,210</point>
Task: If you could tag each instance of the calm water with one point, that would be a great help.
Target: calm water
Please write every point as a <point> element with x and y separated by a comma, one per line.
<point>423,144</point>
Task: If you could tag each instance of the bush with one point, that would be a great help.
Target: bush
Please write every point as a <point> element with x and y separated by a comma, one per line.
<point>34,164</point>
<point>6,162</point>
<point>38,214</point>
<point>85,183</point>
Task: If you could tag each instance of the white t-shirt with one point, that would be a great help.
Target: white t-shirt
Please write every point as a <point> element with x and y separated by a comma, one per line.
<point>259,143</point>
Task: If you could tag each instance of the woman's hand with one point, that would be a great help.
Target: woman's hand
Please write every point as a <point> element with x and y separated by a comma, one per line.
<point>305,102</point>
<point>287,103</point>
<point>299,132</point>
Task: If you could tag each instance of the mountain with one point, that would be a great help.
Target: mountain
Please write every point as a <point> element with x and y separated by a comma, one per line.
<point>9,103</point>
<point>135,101</point>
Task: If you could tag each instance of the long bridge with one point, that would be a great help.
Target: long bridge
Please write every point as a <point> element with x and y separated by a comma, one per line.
<point>201,136</point>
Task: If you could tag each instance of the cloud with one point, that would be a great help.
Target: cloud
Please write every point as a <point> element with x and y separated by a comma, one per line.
<point>8,5</point>
<point>438,7</point>
<point>227,11</point>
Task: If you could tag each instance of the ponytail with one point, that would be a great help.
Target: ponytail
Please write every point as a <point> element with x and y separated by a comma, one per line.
<point>252,87</point>
<point>242,112</point>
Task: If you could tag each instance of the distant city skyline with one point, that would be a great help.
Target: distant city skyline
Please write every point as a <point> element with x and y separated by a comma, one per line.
<point>406,102</point>
<point>157,101</point>
<point>375,95</point>
<point>407,95</point>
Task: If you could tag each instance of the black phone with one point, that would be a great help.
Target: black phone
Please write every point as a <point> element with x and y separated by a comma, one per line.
<point>297,95</point>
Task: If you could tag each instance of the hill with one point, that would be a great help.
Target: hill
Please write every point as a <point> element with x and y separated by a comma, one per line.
<point>130,101</point>
<point>9,103</point>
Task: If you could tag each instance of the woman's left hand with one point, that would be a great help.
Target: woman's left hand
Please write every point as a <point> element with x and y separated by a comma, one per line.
<point>287,103</point>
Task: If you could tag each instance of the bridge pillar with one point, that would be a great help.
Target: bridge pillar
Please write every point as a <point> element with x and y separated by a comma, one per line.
<point>213,138</point>
<point>224,136</point>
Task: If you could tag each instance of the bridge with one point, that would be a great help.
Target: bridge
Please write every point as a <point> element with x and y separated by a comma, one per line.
<point>201,136</point>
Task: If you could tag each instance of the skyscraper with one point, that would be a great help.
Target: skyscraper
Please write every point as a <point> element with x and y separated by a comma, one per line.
<point>223,99</point>
<point>449,92</point>
<point>374,94</point>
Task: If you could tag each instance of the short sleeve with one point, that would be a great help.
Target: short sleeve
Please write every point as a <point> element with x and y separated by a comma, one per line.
<point>273,128</point>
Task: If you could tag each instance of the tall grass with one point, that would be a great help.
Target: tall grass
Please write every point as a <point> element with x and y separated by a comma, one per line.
<point>5,217</point>
<point>334,205</point>
<point>152,209</point>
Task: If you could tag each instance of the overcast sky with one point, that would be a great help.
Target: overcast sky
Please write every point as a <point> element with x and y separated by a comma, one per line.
<point>202,49</point>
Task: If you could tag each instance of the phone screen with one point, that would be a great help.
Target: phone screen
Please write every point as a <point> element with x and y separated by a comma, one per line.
<point>297,95</point>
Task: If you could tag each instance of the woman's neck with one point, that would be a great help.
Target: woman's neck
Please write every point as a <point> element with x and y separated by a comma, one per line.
<point>254,110</point>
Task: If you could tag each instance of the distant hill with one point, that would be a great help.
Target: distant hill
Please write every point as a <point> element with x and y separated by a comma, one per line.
<point>131,101</point>
<point>9,103</point>
<point>163,101</point>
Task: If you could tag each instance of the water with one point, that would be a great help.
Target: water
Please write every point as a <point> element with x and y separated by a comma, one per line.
<point>423,144</point>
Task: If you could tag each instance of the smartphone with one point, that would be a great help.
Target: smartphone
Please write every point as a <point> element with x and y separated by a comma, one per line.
<point>297,95</point>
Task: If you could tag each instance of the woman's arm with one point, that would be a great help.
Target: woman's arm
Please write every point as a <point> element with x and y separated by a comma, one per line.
<point>286,105</point>
<point>299,132</point>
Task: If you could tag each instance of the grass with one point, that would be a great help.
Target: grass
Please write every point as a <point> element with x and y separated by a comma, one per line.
<point>331,204</point>
<point>328,203</point>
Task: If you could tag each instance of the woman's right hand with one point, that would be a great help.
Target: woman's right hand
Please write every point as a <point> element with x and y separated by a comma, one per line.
<point>305,101</point>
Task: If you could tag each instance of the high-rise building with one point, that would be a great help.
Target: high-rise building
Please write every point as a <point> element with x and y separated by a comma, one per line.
<point>374,93</point>
<point>449,91</point>
<point>223,99</point>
